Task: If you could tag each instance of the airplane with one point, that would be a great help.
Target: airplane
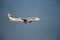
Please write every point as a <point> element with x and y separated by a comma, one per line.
<point>24,20</point>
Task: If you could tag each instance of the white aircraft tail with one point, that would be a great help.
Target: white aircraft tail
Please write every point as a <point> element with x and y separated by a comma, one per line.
<point>9,15</point>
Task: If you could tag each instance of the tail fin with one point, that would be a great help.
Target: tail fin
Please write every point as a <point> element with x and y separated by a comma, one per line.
<point>9,15</point>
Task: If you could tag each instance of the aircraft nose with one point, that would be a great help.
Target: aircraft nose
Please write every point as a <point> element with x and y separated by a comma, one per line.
<point>40,19</point>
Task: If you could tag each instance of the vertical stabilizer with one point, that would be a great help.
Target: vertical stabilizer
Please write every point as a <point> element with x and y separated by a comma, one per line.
<point>9,15</point>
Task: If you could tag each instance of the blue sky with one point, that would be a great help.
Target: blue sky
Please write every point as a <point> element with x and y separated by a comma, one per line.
<point>47,10</point>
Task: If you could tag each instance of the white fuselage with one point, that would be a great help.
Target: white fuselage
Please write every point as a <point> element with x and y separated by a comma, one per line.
<point>14,19</point>
<point>23,19</point>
